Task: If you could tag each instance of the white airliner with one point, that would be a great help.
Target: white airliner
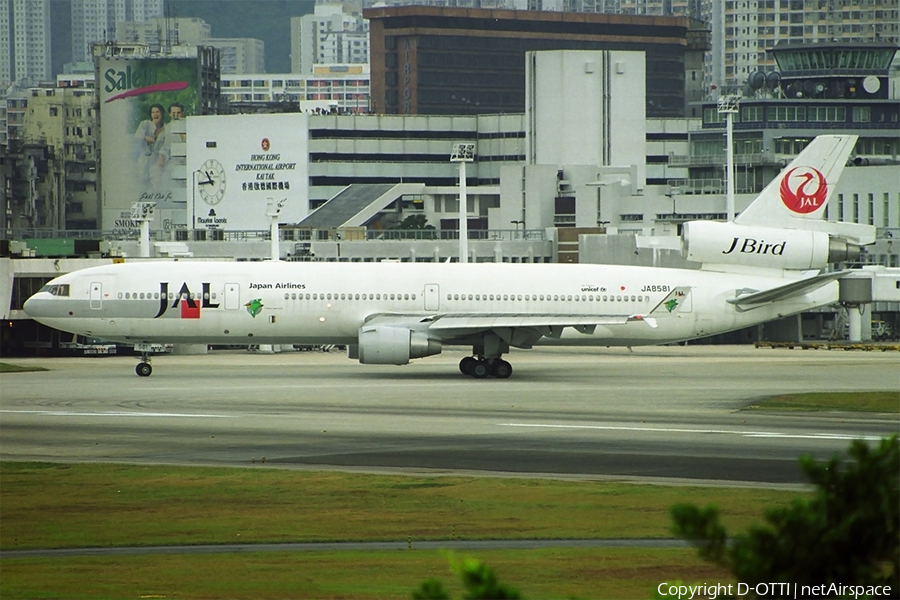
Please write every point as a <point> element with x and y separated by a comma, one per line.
<point>764,265</point>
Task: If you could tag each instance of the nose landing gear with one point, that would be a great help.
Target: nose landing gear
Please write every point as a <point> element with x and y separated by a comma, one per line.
<point>143,368</point>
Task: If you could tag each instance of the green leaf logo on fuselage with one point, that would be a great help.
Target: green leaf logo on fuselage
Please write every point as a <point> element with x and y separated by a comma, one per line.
<point>254,307</point>
<point>671,304</point>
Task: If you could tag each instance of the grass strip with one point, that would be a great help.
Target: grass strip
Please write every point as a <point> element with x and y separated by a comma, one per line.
<point>882,402</point>
<point>89,505</point>
<point>546,573</point>
<point>11,368</point>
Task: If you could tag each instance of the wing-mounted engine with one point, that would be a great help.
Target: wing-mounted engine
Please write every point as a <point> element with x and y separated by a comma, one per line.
<point>716,243</point>
<point>386,345</point>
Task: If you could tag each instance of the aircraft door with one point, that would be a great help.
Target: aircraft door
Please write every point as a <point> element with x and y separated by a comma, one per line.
<point>96,295</point>
<point>432,296</point>
<point>232,296</point>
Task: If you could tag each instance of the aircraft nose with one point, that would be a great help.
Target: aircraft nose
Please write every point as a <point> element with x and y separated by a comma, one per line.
<point>29,307</point>
<point>33,307</point>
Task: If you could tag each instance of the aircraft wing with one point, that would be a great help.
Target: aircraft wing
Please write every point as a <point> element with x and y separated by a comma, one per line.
<point>519,330</point>
<point>753,298</point>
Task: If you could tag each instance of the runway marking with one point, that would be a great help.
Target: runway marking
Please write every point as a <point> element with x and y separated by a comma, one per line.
<point>769,434</point>
<point>112,413</point>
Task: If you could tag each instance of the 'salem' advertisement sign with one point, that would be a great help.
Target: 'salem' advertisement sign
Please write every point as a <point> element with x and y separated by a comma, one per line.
<point>139,101</point>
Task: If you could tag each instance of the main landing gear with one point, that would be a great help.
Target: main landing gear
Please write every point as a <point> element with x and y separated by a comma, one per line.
<point>143,368</point>
<point>479,368</point>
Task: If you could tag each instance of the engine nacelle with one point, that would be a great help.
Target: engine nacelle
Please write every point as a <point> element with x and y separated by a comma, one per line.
<point>713,242</point>
<point>385,345</point>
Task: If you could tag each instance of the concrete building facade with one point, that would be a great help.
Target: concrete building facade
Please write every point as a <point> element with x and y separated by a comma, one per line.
<point>330,35</point>
<point>342,88</point>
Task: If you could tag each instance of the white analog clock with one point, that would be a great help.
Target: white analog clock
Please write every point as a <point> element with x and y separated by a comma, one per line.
<point>211,182</point>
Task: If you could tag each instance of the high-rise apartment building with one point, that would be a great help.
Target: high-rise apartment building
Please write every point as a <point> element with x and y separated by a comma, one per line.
<point>24,40</point>
<point>94,21</point>
<point>158,33</point>
<point>743,31</point>
<point>328,36</point>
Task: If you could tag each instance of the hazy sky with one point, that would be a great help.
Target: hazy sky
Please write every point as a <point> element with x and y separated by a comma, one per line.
<point>267,20</point>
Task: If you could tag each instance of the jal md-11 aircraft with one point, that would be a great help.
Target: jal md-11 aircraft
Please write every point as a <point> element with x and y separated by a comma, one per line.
<point>764,265</point>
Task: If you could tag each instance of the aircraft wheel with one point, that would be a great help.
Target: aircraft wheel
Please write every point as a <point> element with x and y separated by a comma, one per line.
<point>467,364</point>
<point>481,370</point>
<point>143,369</point>
<point>501,369</point>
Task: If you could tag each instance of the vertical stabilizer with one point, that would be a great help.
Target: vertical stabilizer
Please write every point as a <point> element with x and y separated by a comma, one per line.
<point>803,188</point>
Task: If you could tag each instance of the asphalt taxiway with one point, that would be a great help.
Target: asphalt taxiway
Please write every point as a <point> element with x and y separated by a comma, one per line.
<point>670,414</point>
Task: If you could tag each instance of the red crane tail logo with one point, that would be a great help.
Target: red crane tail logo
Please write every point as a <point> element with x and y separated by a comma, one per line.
<point>803,190</point>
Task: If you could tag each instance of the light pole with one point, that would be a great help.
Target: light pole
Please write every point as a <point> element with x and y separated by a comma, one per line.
<point>728,105</point>
<point>143,212</point>
<point>462,153</point>
<point>273,209</point>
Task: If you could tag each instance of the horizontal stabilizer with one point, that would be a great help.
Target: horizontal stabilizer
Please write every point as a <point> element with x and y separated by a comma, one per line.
<point>782,292</point>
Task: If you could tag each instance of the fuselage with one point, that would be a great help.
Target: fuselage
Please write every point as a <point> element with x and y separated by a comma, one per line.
<point>327,303</point>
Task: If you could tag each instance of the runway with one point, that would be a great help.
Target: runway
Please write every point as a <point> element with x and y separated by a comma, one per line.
<point>673,414</point>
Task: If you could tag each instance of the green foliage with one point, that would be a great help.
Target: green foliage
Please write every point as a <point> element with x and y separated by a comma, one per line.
<point>416,221</point>
<point>848,531</point>
<point>479,580</point>
<point>431,589</point>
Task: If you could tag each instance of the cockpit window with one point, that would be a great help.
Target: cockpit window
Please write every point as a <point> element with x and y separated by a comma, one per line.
<point>59,289</point>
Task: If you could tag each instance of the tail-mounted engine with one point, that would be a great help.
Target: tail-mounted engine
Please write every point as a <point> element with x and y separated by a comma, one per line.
<point>711,242</point>
<point>385,345</point>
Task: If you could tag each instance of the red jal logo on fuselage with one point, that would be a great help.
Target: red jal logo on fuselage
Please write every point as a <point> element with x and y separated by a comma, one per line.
<point>190,303</point>
<point>803,190</point>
